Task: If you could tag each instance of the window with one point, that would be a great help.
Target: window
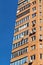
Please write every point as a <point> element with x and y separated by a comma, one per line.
<point>34,2</point>
<point>34,30</point>
<point>33,22</point>
<point>40,20</point>
<point>33,47</point>
<point>16,30</point>
<point>25,50</point>
<point>14,46</point>
<point>40,36</point>
<point>40,13</point>
<point>40,28</point>
<point>40,1</point>
<point>40,55</point>
<point>40,6</point>
<point>41,45</point>
<point>18,44</point>
<point>33,15</point>
<point>26,40</point>
<point>32,57</point>
<point>33,38</point>
<point>26,33</point>
<point>34,8</point>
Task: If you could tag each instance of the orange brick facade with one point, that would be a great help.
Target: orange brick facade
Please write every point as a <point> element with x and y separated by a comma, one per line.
<point>27,47</point>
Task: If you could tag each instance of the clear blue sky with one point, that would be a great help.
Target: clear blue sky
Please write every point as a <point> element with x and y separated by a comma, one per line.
<point>7,21</point>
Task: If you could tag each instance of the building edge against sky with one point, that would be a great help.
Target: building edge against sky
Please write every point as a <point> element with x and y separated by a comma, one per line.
<point>27,46</point>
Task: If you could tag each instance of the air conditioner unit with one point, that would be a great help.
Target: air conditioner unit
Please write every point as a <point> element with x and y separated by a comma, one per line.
<point>30,61</point>
<point>18,11</point>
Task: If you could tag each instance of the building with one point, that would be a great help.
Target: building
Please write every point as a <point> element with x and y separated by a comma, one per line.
<point>27,47</point>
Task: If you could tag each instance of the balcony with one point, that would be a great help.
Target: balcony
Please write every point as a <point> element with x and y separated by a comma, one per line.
<point>20,29</point>
<point>23,13</point>
<point>23,2</point>
<point>24,8</point>
<point>20,1</point>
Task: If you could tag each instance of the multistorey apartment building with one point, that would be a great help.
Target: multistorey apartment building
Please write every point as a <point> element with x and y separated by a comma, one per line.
<point>27,47</point>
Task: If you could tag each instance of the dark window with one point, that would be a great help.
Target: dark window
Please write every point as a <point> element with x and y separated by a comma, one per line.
<point>33,38</point>
<point>33,57</point>
<point>33,47</point>
<point>33,15</point>
<point>33,22</point>
<point>40,56</point>
<point>34,2</point>
<point>34,8</point>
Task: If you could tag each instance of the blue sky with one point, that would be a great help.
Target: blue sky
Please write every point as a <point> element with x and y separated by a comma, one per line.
<point>7,20</point>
